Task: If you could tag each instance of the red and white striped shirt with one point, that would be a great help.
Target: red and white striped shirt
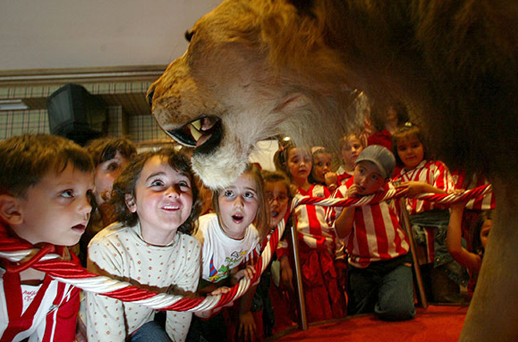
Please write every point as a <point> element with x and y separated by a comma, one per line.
<point>376,234</point>
<point>486,202</point>
<point>309,220</point>
<point>434,173</point>
<point>45,313</point>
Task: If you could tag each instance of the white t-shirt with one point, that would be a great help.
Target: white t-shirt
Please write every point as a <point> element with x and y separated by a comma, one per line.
<point>220,253</point>
<point>121,252</point>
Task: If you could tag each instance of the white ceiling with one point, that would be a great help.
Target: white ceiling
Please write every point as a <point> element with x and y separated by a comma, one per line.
<point>48,34</point>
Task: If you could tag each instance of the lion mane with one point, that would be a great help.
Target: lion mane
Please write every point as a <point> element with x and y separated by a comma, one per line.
<point>255,69</point>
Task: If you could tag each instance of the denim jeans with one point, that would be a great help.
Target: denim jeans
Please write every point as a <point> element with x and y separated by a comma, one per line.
<point>150,332</point>
<point>385,288</point>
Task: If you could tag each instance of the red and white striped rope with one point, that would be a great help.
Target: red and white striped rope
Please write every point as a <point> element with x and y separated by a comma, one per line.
<point>13,250</point>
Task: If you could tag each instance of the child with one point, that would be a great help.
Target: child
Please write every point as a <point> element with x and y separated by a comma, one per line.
<point>156,206</point>
<point>429,220</point>
<point>110,156</point>
<point>322,161</point>
<point>46,184</point>
<point>386,121</point>
<point>380,274</point>
<point>277,191</point>
<point>471,260</point>
<point>230,241</point>
<point>317,243</point>
<point>350,147</point>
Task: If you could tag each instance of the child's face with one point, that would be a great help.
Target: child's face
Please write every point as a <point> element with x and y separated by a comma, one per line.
<point>299,164</point>
<point>163,200</point>
<point>484,232</point>
<point>57,209</point>
<point>411,151</point>
<point>367,178</point>
<point>321,166</point>
<point>278,198</point>
<point>238,206</point>
<point>351,150</point>
<point>105,175</point>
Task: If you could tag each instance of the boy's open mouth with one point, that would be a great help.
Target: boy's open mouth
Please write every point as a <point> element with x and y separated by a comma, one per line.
<point>275,213</point>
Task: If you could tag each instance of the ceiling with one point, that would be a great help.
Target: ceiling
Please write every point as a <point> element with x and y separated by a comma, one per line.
<point>55,41</point>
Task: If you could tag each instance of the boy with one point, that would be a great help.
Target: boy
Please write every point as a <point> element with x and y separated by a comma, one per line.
<point>46,184</point>
<point>380,274</point>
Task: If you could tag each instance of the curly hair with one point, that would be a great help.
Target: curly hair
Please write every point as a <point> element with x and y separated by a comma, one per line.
<point>126,183</point>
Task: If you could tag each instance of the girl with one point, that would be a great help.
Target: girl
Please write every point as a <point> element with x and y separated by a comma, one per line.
<point>317,242</point>
<point>230,240</point>
<point>471,260</point>
<point>277,191</point>
<point>156,205</point>
<point>322,161</point>
<point>429,220</point>
<point>350,147</point>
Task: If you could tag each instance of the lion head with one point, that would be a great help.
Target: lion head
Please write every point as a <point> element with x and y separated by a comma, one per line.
<point>235,86</point>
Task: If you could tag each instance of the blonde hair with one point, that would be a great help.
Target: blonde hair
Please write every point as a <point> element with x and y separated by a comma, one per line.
<point>261,219</point>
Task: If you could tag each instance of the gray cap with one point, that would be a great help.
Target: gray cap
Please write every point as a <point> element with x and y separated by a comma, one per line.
<point>381,157</point>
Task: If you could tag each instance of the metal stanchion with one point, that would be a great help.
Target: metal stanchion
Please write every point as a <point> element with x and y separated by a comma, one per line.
<point>301,304</point>
<point>405,221</point>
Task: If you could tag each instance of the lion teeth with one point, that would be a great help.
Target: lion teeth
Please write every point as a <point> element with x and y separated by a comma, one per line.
<point>196,134</point>
<point>197,124</point>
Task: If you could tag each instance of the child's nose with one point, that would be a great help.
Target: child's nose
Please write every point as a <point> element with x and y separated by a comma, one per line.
<point>85,206</point>
<point>172,191</point>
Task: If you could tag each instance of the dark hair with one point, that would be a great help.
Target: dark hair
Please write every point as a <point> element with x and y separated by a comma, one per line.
<point>476,244</point>
<point>262,217</point>
<point>311,177</point>
<point>126,182</point>
<point>406,131</point>
<point>379,113</point>
<point>26,159</point>
<point>104,149</point>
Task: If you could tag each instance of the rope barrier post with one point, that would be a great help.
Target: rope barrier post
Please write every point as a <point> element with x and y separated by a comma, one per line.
<point>405,221</point>
<point>301,304</point>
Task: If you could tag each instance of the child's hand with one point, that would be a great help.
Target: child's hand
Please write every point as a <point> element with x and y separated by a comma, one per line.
<point>354,191</point>
<point>247,273</point>
<point>209,313</point>
<point>412,189</point>
<point>247,328</point>
<point>331,179</point>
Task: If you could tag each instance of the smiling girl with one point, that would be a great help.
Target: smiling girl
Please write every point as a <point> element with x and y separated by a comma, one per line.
<point>429,220</point>
<point>156,204</point>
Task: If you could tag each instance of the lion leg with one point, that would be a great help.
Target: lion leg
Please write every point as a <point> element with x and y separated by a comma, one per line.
<point>493,312</point>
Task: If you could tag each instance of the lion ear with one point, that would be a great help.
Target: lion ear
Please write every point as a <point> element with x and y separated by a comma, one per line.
<point>293,102</point>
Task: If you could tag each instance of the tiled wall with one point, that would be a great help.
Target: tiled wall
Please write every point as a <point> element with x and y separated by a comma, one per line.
<point>140,128</point>
<point>136,127</point>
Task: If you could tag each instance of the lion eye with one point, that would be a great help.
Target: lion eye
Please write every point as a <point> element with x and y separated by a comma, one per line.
<point>188,35</point>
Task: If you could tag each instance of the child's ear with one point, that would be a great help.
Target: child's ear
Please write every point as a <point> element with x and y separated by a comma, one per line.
<point>130,203</point>
<point>10,211</point>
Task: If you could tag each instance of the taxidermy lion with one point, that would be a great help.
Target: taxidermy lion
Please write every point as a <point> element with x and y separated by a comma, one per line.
<point>257,68</point>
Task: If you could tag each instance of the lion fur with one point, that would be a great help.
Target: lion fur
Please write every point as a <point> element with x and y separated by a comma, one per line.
<point>269,67</point>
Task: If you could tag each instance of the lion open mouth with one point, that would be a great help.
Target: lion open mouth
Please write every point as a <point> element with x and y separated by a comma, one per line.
<point>204,133</point>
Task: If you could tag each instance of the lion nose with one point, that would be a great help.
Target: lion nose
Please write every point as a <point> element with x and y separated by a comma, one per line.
<point>149,95</point>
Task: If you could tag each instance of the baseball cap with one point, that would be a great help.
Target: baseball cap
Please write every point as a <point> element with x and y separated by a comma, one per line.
<point>381,157</point>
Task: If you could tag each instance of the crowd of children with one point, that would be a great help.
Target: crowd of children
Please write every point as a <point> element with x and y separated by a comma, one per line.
<point>135,217</point>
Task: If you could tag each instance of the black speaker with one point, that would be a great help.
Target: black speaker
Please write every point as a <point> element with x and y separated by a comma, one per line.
<point>76,114</point>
